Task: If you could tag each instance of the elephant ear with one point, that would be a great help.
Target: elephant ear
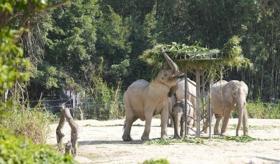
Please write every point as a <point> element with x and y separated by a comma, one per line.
<point>244,87</point>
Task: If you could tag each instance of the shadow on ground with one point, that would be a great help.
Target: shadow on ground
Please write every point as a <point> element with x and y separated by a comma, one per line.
<point>99,142</point>
<point>269,159</point>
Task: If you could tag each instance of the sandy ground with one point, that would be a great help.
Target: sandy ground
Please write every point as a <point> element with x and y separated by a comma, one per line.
<point>100,142</point>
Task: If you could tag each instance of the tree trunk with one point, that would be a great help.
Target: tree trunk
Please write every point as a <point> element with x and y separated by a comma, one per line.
<point>65,114</point>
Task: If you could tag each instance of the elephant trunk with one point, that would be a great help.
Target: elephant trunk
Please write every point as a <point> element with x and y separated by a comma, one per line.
<point>171,63</point>
<point>241,108</point>
<point>245,122</point>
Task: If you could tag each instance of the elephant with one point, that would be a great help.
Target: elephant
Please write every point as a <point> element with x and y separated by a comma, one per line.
<point>179,90</point>
<point>179,94</point>
<point>177,115</point>
<point>226,97</point>
<point>144,100</point>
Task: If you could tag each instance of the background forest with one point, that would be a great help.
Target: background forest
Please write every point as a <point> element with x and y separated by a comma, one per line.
<point>93,46</point>
<point>91,49</point>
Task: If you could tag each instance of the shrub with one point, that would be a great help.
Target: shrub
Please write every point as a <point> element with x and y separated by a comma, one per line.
<point>259,109</point>
<point>22,150</point>
<point>32,123</point>
<point>106,102</point>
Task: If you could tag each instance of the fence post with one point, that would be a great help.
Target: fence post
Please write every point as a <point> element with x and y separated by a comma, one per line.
<point>197,103</point>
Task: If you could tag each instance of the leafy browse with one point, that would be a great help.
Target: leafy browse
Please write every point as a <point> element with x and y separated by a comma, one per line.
<point>243,139</point>
<point>198,57</point>
<point>173,141</point>
<point>157,161</point>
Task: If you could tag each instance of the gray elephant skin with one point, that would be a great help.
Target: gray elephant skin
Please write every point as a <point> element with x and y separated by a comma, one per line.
<point>178,117</point>
<point>179,94</point>
<point>179,90</point>
<point>144,100</point>
<point>226,97</point>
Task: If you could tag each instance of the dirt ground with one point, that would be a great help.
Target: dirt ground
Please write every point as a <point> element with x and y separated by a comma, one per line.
<point>100,142</point>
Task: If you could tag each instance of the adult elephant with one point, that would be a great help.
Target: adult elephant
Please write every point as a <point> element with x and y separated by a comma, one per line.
<point>179,91</point>
<point>226,97</point>
<point>143,100</point>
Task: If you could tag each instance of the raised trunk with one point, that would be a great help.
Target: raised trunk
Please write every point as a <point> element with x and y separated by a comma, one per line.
<point>171,63</point>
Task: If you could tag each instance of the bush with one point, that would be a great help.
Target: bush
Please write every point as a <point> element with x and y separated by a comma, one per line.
<point>106,101</point>
<point>21,150</point>
<point>259,109</point>
<point>32,123</point>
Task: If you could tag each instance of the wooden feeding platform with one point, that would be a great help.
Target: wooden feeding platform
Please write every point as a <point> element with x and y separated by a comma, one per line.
<point>202,62</point>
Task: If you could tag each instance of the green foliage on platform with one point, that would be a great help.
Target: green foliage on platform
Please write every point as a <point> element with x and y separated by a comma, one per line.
<point>197,57</point>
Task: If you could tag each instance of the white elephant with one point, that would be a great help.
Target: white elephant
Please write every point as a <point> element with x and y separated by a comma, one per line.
<point>226,97</point>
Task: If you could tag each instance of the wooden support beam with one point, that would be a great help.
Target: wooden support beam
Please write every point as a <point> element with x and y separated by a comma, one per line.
<point>197,103</point>
<point>210,109</point>
<point>185,110</point>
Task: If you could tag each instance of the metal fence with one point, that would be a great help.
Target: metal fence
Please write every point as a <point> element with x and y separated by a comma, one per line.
<point>85,108</point>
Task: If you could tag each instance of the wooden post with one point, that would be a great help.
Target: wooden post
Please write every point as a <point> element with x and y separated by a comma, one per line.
<point>209,108</point>
<point>185,107</point>
<point>197,103</point>
<point>203,107</point>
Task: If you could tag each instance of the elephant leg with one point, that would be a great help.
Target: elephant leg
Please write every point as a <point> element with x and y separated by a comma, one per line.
<point>182,130</point>
<point>127,127</point>
<point>146,133</point>
<point>176,126</point>
<point>216,128</point>
<point>225,122</point>
<point>245,122</point>
<point>164,119</point>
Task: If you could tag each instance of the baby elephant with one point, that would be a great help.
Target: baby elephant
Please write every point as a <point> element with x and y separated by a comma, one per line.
<point>177,115</point>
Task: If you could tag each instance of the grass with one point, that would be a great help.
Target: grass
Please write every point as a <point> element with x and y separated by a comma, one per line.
<point>262,110</point>
<point>243,139</point>
<point>171,141</point>
<point>157,161</point>
<point>32,123</point>
<point>203,140</point>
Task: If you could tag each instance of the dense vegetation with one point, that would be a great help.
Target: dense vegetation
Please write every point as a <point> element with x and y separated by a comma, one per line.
<point>21,150</point>
<point>15,70</point>
<point>90,43</point>
<point>94,46</point>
